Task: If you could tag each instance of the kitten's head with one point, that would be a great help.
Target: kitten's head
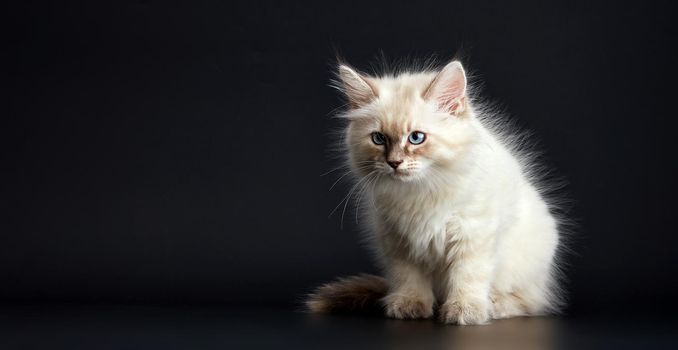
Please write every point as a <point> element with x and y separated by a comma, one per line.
<point>406,127</point>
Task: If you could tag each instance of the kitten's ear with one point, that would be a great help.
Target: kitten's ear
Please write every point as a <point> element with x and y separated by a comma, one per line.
<point>359,89</point>
<point>448,89</point>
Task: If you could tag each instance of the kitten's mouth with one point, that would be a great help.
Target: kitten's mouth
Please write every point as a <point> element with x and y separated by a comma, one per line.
<point>401,175</point>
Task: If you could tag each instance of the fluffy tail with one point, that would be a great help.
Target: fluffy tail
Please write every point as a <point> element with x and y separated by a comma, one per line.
<point>349,294</point>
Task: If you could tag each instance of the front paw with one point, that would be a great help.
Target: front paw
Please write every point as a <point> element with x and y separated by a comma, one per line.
<point>465,312</point>
<point>407,307</point>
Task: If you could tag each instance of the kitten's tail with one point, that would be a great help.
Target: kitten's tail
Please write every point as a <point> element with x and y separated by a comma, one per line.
<point>360,293</point>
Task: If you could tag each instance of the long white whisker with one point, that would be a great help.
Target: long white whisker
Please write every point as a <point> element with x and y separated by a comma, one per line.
<point>335,169</point>
<point>341,225</point>
<point>361,194</point>
<point>374,185</point>
<point>349,193</point>
<point>343,166</point>
<point>348,197</point>
<point>339,179</point>
<point>365,167</point>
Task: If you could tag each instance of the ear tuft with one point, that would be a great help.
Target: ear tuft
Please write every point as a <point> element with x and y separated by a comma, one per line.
<point>448,89</point>
<point>358,89</point>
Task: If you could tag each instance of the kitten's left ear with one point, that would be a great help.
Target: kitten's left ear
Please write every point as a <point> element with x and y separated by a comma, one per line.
<point>448,89</point>
<point>358,88</point>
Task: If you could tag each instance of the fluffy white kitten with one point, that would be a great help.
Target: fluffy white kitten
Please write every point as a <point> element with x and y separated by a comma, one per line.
<point>454,213</point>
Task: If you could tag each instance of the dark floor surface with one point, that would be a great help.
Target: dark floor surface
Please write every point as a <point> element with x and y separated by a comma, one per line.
<point>76,326</point>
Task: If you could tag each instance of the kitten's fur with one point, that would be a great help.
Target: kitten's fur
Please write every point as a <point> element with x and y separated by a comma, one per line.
<point>460,225</point>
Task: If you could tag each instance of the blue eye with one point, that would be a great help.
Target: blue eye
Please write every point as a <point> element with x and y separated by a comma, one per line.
<point>378,138</point>
<point>416,138</point>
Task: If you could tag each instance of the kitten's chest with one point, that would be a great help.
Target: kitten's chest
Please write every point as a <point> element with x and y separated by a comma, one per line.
<point>421,224</point>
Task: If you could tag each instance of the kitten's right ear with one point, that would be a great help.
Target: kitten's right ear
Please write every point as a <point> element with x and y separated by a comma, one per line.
<point>359,89</point>
<point>448,89</point>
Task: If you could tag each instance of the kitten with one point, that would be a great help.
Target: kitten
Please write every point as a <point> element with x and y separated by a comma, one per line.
<point>454,213</point>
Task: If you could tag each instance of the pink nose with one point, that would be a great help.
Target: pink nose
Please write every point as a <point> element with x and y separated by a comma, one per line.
<point>394,163</point>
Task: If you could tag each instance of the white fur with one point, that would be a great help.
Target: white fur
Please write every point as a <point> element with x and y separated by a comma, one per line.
<point>463,227</point>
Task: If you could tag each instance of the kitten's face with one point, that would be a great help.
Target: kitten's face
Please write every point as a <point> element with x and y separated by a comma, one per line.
<point>407,127</point>
<point>403,137</point>
<point>403,152</point>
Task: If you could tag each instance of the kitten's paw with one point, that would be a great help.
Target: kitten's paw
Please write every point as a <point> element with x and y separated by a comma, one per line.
<point>407,307</point>
<point>507,306</point>
<point>465,312</point>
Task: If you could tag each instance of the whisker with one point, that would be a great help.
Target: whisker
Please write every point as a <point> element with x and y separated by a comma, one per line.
<point>346,173</point>
<point>361,193</point>
<point>339,179</point>
<point>372,183</point>
<point>341,225</point>
<point>344,166</point>
<point>347,196</point>
<point>335,169</point>
<point>374,186</point>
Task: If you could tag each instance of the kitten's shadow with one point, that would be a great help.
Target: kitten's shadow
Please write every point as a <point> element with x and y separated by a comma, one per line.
<point>522,333</point>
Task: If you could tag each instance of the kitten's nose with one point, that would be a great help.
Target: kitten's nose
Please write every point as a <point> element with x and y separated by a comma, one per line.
<point>394,163</point>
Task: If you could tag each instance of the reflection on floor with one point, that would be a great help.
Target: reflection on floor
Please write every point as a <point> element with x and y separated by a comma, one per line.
<point>221,327</point>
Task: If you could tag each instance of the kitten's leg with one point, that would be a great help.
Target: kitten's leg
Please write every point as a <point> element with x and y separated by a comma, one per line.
<point>470,272</point>
<point>530,300</point>
<point>411,293</point>
<point>506,305</point>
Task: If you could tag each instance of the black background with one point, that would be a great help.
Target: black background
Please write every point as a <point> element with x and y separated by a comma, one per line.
<point>172,153</point>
